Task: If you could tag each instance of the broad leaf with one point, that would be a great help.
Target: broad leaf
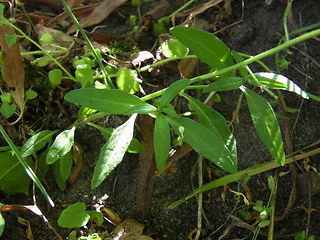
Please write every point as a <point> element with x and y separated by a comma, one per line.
<point>57,176</point>
<point>276,81</point>
<point>214,121</point>
<point>61,146</point>
<point>55,77</point>
<point>113,101</point>
<point>13,178</point>
<point>74,216</point>
<point>207,47</point>
<point>174,48</point>
<point>113,151</point>
<point>126,81</point>
<point>172,91</point>
<point>161,141</point>
<point>224,84</point>
<point>204,142</point>
<point>266,124</point>
<point>36,142</point>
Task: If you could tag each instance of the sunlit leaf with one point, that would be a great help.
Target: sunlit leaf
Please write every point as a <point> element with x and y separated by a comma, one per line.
<point>126,81</point>
<point>36,142</point>
<point>113,101</point>
<point>61,146</point>
<point>266,124</point>
<point>172,91</point>
<point>174,48</point>
<point>204,142</point>
<point>2,221</point>
<point>113,151</point>
<point>206,46</point>
<point>74,216</point>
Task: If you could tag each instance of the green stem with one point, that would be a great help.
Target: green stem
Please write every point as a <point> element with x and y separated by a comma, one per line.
<point>94,53</point>
<point>241,174</point>
<point>181,8</point>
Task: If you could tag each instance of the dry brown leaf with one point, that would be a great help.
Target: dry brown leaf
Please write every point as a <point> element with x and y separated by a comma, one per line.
<point>112,216</point>
<point>13,67</point>
<point>101,12</point>
<point>78,159</point>
<point>29,230</point>
<point>186,67</point>
<point>147,166</point>
<point>74,3</point>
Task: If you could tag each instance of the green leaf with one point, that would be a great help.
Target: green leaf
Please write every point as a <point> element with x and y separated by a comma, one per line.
<point>13,178</point>
<point>277,81</point>
<point>174,48</point>
<point>207,47</point>
<point>113,151</point>
<point>224,84</point>
<point>238,58</point>
<point>113,101</point>
<point>314,97</point>
<point>10,39</point>
<point>36,142</point>
<point>55,77</point>
<point>161,141</point>
<point>160,27</point>
<point>266,124</point>
<point>7,97</point>
<point>74,216</point>
<point>61,146</point>
<point>217,124</point>
<point>84,74</point>
<point>264,223</point>
<point>2,221</point>
<point>30,94</point>
<point>47,38</point>
<point>85,112</point>
<point>126,81</point>
<point>134,147</point>
<point>57,176</point>
<point>96,216</point>
<point>172,91</point>
<point>204,142</point>
<point>65,165</point>
<point>7,110</point>
<point>41,61</point>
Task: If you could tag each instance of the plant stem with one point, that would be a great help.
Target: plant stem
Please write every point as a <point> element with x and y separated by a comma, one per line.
<point>84,35</point>
<point>243,173</point>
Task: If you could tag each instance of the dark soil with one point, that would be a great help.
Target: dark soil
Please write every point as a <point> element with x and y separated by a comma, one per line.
<point>260,30</point>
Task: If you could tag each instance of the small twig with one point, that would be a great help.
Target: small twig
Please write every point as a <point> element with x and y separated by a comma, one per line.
<point>200,182</point>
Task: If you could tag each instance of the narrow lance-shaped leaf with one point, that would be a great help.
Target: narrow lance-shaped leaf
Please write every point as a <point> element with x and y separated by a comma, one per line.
<point>36,142</point>
<point>61,146</point>
<point>113,101</point>
<point>266,124</point>
<point>204,142</point>
<point>277,81</point>
<point>207,47</point>
<point>216,123</point>
<point>224,84</point>
<point>172,91</point>
<point>161,140</point>
<point>113,151</point>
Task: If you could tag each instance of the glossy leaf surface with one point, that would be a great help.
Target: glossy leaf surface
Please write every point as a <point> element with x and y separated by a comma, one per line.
<point>36,142</point>
<point>172,91</point>
<point>161,140</point>
<point>207,47</point>
<point>113,101</point>
<point>126,81</point>
<point>74,216</point>
<point>113,151</point>
<point>266,124</point>
<point>61,146</point>
<point>204,142</point>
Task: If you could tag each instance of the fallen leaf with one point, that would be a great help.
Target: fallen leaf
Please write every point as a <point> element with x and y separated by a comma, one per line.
<point>112,216</point>
<point>78,162</point>
<point>53,4</point>
<point>29,230</point>
<point>186,67</point>
<point>147,166</point>
<point>74,3</point>
<point>13,67</point>
<point>101,12</point>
